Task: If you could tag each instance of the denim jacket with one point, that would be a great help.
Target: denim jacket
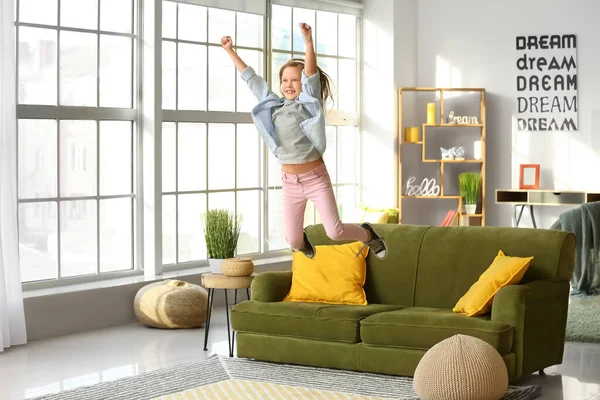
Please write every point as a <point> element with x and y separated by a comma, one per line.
<point>310,97</point>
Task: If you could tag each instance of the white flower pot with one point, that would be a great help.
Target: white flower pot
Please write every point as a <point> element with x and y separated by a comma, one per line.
<point>470,208</point>
<point>215,265</point>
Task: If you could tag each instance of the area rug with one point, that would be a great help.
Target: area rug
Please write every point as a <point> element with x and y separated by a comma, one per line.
<point>237,378</point>
<point>583,320</point>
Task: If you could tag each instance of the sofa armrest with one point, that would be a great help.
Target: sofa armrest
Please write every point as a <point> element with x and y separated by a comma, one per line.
<point>271,286</point>
<point>538,313</point>
<point>503,306</point>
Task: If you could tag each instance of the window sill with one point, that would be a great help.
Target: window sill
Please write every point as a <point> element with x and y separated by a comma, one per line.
<point>261,265</point>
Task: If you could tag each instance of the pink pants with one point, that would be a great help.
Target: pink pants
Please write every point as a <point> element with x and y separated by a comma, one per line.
<point>314,185</point>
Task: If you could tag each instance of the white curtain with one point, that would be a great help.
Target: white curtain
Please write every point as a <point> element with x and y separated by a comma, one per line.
<point>12,317</point>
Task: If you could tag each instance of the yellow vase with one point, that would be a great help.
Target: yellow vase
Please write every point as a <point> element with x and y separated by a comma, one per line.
<point>411,134</point>
<point>431,113</point>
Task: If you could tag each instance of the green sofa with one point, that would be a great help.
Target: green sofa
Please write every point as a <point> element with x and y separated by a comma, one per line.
<point>411,294</point>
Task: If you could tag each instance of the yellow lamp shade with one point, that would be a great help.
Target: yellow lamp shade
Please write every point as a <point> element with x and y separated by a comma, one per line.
<point>411,134</point>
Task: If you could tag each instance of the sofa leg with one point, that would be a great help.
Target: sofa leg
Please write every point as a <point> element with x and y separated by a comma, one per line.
<point>541,372</point>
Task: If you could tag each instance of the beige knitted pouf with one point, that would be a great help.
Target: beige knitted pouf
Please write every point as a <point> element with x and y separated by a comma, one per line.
<point>171,304</point>
<point>461,368</point>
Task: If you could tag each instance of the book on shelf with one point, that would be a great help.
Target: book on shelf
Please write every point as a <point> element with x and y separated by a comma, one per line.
<point>450,218</point>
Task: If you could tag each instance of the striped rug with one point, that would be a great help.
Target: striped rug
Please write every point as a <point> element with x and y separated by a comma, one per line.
<point>237,378</point>
<point>236,389</point>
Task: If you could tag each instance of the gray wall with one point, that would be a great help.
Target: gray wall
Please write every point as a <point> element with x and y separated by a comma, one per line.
<point>477,39</point>
<point>470,43</point>
<point>65,313</point>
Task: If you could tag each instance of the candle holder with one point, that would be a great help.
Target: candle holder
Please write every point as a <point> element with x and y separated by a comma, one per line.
<point>430,113</point>
<point>411,134</point>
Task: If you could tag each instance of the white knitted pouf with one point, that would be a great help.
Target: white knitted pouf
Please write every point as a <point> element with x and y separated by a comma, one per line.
<point>461,368</point>
<point>171,304</point>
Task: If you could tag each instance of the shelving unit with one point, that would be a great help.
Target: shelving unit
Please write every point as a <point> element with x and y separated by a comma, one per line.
<point>464,219</point>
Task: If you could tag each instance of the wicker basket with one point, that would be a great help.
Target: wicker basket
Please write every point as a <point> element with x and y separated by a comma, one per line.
<point>237,267</point>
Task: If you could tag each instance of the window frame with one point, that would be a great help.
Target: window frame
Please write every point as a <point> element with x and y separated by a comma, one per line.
<point>207,117</point>
<point>147,228</point>
<point>96,114</point>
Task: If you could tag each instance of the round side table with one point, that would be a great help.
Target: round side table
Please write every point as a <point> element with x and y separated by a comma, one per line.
<point>213,282</point>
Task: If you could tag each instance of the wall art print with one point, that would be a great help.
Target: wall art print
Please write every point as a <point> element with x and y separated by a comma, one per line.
<point>546,82</point>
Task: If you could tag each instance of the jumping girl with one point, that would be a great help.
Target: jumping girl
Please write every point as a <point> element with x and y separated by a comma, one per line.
<point>293,127</point>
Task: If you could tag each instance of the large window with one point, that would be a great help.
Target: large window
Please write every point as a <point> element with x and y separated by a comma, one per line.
<point>75,66</point>
<point>78,124</point>
<point>212,154</point>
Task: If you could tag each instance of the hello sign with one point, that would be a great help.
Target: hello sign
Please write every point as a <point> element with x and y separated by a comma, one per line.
<point>427,187</point>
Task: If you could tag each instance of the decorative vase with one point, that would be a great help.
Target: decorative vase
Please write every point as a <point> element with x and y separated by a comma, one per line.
<point>470,208</point>
<point>215,265</point>
<point>477,150</point>
<point>237,266</point>
<point>431,113</point>
<point>411,134</point>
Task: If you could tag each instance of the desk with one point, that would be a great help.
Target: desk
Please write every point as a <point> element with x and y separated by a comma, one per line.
<point>534,197</point>
<point>213,282</point>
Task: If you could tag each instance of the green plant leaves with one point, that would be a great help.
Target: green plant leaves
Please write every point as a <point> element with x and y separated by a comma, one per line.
<point>470,184</point>
<point>221,231</point>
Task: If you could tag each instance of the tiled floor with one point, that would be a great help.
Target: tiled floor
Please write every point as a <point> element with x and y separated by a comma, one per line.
<point>53,365</point>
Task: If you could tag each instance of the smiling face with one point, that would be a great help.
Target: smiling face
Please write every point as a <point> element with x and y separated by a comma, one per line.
<point>291,82</point>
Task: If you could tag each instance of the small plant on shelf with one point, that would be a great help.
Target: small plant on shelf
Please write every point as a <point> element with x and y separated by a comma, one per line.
<point>470,184</point>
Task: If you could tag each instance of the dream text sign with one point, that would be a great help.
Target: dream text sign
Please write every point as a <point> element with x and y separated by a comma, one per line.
<point>547,83</point>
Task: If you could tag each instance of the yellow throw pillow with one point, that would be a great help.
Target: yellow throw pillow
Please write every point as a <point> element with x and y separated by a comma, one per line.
<point>504,271</point>
<point>376,217</point>
<point>335,275</point>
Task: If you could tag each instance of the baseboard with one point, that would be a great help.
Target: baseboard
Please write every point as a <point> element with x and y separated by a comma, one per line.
<point>60,314</point>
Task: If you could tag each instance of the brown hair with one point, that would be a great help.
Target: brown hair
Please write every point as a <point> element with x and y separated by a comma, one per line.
<point>325,79</point>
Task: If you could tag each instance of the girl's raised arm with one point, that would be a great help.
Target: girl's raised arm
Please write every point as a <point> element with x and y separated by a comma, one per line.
<point>310,61</point>
<point>237,61</point>
<point>257,85</point>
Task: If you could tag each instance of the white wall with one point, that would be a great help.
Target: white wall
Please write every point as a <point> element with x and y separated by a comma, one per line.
<point>390,60</point>
<point>54,312</point>
<point>478,39</point>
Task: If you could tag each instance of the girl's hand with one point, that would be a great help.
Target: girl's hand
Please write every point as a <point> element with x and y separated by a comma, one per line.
<point>306,31</point>
<point>226,42</point>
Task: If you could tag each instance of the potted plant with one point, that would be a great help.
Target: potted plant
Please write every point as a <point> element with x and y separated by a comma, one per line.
<point>470,184</point>
<point>221,232</point>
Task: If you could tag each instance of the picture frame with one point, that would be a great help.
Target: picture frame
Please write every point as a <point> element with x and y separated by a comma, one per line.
<point>529,176</point>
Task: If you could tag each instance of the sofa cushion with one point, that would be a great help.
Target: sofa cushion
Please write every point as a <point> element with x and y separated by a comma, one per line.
<point>424,327</point>
<point>390,280</point>
<point>333,322</point>
<point>505,270</point>
<point>335,275</point>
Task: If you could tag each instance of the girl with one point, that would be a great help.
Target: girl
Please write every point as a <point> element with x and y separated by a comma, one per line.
<point>293,127</point>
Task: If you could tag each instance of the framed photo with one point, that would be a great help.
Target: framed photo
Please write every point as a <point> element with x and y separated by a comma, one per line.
<point>529,176</point>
